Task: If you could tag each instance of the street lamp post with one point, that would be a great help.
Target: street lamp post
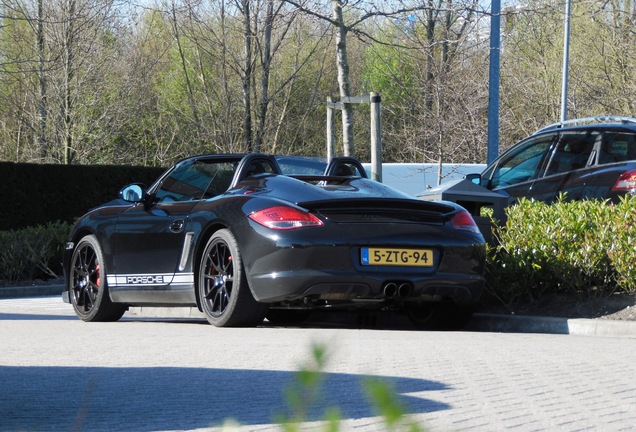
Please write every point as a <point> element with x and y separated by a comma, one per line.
<point>493,81</point>
<point>566,60</point>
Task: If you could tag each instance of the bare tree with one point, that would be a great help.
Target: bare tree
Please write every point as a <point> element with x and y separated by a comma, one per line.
<point>78,47</point>
<point>263,31</point>
<point>23,65</point>
<point>82,81</point>
<point>184,65</point>
<point>42,106</point>
<point>343,75</point>
<point>359,11</point>
<point>247,70</point>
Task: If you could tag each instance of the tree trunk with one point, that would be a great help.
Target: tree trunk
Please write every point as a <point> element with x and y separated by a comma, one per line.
<point>184,65</point>
<point>343,77</point>
<point>68,78</point>
<point>266,62</point>
<point>42,105</point>
<point>430,41</point>
<point>247,75</point>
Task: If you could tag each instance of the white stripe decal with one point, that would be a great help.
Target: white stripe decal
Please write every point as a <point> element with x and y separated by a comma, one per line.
<point>183,278</point>
<point>150,279</point>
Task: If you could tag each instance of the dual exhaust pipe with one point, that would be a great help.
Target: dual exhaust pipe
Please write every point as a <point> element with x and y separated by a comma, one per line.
<point>397,289</point>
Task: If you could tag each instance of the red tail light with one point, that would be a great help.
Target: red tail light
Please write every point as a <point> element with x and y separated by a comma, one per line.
<point>464,221</point>
<point>627,181</point>
<point>285,218</point>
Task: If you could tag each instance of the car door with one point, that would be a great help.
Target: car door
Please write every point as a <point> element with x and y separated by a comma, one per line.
<point>563,172</point>
<point>151,237</point>
<point>515,172</point>
<point>616,156</point>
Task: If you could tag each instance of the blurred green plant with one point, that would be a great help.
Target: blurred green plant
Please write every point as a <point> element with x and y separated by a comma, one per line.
<point>306,391</point>
<point>383,397</point>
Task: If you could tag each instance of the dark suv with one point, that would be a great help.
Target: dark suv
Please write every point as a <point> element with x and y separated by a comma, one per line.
<point>585,158</point>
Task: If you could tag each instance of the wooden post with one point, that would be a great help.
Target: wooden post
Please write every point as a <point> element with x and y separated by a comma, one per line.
<point>331,137</point>
<point>374,100</point>
<point>376,136</point>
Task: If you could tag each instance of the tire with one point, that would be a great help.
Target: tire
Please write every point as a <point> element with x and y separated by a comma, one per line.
<point>87,289</point>
<point>439,316</point>
<point>226,299</point>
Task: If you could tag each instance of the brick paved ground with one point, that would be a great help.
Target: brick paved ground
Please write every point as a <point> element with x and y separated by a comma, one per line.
<point>58,373</point>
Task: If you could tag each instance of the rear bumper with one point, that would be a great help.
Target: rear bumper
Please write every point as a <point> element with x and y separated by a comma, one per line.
<point>327,285</point>
<point>335,272</point>
<point>327,263</point>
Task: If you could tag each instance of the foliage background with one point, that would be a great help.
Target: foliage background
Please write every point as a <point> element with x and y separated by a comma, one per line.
<point>116,82</point>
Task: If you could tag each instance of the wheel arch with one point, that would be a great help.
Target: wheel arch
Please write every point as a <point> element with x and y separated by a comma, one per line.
<point>81,233</point>
<point>74,238</point>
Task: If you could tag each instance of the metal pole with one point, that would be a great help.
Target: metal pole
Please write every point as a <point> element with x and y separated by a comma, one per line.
<point>331,137</point>
<point>493,81</point>
<point>566,61</point>
<point>376,137</point>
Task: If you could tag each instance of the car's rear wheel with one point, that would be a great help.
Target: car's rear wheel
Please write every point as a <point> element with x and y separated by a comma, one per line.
<point>439,315</point>
<point>88,290</point>
<point>224,294</point>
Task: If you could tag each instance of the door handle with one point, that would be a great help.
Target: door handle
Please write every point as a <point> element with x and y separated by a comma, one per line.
<point>177,226</point>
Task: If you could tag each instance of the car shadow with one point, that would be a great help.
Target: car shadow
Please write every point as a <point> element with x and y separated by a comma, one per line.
<point>166,398</point>
<point>34,317</point>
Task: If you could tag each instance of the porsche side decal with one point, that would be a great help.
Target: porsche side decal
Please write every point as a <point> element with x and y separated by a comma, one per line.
<point>150,279</point>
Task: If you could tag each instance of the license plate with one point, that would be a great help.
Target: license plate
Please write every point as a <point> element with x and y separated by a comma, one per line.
<point>397,257</point>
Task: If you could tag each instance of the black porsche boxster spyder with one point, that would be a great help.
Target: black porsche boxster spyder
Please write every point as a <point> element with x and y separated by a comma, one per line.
<point>240,240</point>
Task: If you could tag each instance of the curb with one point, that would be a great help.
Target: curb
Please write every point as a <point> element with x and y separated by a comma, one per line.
<point>481,322</point>
<point>551,325</point>
<point>30,291</point>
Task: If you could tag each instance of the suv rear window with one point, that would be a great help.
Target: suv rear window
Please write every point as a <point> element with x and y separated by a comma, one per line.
<point>617,147</point>
<point>572,152</point>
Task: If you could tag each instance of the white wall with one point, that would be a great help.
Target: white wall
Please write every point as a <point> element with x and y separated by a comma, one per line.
<point>415,178</point>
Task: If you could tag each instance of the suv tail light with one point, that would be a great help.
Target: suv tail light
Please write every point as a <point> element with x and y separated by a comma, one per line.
<point>285,218</point>
<point>627,181</point>
<point>464,221</point>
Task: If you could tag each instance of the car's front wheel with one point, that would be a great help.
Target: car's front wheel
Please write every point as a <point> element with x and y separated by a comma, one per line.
<point>88,290</point>
<point>224,294</point>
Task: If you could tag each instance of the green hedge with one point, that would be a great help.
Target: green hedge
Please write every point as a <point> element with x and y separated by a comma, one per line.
<point>583,248</point>
<point>33,253</point>
<point>35,194</point>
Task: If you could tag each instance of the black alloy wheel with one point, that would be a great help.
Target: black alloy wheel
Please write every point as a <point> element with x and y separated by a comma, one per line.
<point>88,290</point>
<point>226,299</point>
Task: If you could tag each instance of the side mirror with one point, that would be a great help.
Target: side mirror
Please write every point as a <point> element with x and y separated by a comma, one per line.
<point>134,193</point>
<point>474,178</point>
